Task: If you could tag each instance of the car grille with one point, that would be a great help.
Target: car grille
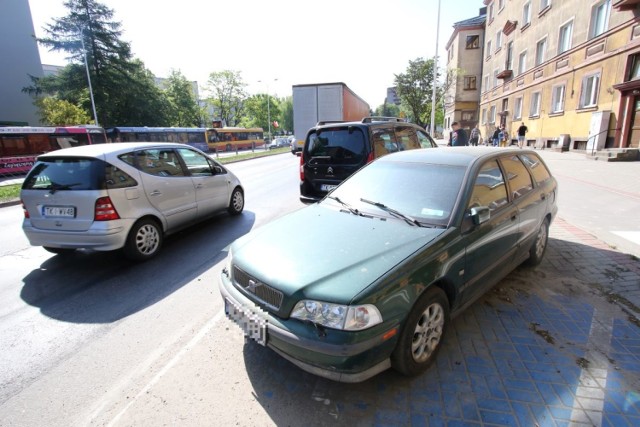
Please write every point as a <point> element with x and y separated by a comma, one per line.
<point>263,292</point>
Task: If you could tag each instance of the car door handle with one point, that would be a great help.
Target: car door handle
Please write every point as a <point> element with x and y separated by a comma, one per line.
<point>155,193</point>
<point>543,196</point>
<point>514,216</point>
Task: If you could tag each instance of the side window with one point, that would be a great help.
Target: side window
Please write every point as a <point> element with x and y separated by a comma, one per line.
<point>384,141</point>
<point>158,162</point>
<point>117,178</point>
<point>519,179</point>
<point>537,168</point>
<point>406,137</point>
<point>197,164</point>
<point>489,188</point>
<point>425,140</point>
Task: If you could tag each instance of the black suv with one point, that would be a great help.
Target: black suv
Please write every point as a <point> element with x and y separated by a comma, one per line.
<point>335,150</point>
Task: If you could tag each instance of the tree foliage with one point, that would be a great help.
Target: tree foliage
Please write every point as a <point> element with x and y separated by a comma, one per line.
<point>287,113</point>
<point>183,108</point>
<point>124,90</point>
<point>259,109</point>
<point>388,110</point>
<point>227,95</point>
<point>58,112</point>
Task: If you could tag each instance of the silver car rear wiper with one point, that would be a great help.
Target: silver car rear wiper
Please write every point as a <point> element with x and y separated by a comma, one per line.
<point>409,220</point>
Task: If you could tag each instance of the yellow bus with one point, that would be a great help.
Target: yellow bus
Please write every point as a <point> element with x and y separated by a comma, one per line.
<point>232,138</point>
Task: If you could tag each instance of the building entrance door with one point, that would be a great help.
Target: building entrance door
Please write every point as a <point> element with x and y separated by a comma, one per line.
<point>634,135</point>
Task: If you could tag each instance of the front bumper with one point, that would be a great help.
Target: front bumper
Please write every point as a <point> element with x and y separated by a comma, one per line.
<point>358,357</point>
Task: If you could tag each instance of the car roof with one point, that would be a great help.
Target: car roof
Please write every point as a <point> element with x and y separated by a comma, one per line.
<point>453,156</point>
<point>109,148</point>
<point>382,123</point>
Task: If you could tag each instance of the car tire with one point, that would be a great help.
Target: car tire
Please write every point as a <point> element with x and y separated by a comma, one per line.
<point>539,246</point>
<point>236,203</point>
<point>144,240</point>
<point>421,337</point>
<point>59,251</point>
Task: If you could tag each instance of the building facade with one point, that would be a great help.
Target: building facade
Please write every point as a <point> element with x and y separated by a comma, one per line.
<point>567,69</point>
<point>464,68</point>
<point>20,59</point>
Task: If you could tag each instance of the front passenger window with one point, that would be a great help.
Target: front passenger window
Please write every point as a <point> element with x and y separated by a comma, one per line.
<point>489,188</point>
<point>197,164</point>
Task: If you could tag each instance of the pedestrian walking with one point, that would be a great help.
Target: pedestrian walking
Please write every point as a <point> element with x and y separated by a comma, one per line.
<point>503,136</point>
<point>475,136</point>
<point>522,132</point>
<point>458,136</point>
<point>496,136</point>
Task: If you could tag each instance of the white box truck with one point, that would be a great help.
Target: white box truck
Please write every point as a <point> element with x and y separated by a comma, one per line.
<point>323,102</point>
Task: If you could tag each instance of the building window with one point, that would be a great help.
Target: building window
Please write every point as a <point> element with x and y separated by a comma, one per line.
<point>495,77</point>
<point>485,84</point>
<point>489,49</point>
<point>589,90</point>
<point>599,18</point>
<point>534,110</point>
<point>564,38</point>
<point>517,108</point>
<point>541,48</point>
<point>473,42</point>
<point>526,14</point>
<point>508,65</point>
<point>557,99</point>
<point>468,116</point>
<point>500,5</point>
<point>544,4</point>
<point>490,12</point>
<point>522,62</point>
<point>634,69</point>
<point>469,82</point>
<point>484,116</point>
<point>492,114</point>
<point>498,40</point>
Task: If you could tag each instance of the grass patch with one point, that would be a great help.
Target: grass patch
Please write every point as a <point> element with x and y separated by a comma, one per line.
<point>9,192</point>
<point>250,155</point>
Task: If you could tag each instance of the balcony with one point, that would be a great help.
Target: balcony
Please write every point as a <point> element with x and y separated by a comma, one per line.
<point>505,74</point>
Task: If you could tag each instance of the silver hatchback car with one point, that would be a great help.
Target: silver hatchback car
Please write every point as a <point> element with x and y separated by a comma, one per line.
<point>123,196</point>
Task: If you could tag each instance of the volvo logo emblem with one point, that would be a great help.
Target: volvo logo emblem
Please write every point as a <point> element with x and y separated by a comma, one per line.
<point>329,170</point>
<point>252,286</point>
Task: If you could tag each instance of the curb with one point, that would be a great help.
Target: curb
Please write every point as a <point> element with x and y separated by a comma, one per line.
<point>9,203</point>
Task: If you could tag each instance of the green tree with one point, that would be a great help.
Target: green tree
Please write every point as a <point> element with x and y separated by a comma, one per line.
<point>58,112</point>
<point>124,90</point>
<point>184,111</point>
<point>388,110</point>
<point>258,109</point>
<point>227,90</point>
<point>286,104</point>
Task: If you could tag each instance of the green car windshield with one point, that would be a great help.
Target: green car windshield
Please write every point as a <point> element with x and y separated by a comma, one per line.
<point>424,192</point>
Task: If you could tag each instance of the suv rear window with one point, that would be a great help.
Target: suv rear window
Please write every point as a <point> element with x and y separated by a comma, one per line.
<point>342,145</point>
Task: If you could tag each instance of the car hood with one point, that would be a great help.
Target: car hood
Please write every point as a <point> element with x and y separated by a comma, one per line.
<point>326,254</point>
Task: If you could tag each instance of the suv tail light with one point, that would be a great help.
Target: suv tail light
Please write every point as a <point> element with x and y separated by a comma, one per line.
<point>105,211</point>
<point>370,157</point>
<point>24,209</point>
<point>302,165</point>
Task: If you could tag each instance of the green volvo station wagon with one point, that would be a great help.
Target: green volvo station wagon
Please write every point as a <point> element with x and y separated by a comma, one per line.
<point>376,269</point>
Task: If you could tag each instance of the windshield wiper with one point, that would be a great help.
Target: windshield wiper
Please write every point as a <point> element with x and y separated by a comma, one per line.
<point>347,206</point>
<point>409,220</point>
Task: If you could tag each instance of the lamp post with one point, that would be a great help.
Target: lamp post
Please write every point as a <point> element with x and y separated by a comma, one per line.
<point>435,76</point>
<point>268,105</point>
<point>86,67</point>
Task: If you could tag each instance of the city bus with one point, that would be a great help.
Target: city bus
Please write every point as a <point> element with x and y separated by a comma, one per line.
<point>233,138</point>
<point>191,136</point>
<point>20,145</point>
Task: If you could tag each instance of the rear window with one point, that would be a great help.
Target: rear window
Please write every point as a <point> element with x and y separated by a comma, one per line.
<point>66,174</point>
<point>342,145</point>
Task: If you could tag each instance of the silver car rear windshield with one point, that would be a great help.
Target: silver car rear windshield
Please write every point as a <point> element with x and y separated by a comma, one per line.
<point>60,174</point>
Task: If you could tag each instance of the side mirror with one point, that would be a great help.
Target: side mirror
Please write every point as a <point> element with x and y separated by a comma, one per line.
<point>480,214</point>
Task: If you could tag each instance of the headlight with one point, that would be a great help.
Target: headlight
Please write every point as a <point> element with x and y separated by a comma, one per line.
<point>337,316</point>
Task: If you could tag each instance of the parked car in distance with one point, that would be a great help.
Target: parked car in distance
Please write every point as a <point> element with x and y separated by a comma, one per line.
<point>387,258</point>
<point>278,143</point>
<point>123,196</point>
<point>334,150</point>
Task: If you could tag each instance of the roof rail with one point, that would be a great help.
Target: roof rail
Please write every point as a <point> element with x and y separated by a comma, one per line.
<point>328,122</point>
<point>381,119</point>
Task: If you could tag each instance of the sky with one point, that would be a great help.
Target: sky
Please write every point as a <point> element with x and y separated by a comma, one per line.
<point>279,43</point>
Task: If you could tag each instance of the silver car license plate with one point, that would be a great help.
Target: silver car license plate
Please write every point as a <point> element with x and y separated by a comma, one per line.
<point>253,326</point>
<point>59,211</point>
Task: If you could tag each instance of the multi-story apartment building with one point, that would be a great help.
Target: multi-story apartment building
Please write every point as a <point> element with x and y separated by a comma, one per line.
<point>464,63</point>
<point>568,69</point>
